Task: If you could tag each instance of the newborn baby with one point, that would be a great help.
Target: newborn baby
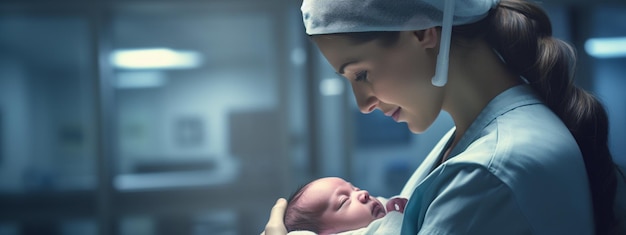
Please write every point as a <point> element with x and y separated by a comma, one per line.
<point>331,205</point>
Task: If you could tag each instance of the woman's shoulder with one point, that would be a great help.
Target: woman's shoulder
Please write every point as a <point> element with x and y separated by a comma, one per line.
<point>528,140</point>
<point>531,130</point>
<point>515,123</point>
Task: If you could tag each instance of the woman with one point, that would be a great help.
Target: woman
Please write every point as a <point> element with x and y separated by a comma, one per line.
<point>528,154</point>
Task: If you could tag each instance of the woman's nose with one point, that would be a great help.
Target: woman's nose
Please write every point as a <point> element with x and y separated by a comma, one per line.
<point>366,102</point>
<point>369,105</point>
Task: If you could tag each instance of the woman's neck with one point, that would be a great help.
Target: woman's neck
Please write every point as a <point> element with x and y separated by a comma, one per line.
<point>476,76</point>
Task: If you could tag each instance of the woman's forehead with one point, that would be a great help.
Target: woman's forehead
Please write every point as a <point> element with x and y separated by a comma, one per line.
<point>340,42</point>
<point>340,49</point>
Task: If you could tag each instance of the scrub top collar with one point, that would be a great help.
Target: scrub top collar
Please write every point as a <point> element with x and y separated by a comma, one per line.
<point>514,97</point>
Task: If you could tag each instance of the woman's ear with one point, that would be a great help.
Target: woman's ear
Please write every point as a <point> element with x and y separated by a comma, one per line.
<point>429,38</point>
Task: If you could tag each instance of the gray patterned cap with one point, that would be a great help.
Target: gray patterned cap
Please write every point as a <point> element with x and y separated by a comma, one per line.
<point>348,16</point>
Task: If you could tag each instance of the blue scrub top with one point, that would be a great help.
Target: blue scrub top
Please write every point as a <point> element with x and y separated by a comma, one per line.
<point>516,170</point>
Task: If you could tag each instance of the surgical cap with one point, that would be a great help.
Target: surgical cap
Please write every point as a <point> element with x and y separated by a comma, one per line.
<point>348,16</point>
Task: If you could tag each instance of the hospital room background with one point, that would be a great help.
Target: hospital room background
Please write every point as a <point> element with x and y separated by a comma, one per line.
<point>161,117</point>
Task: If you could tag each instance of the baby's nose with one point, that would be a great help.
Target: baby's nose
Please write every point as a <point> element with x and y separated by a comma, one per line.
<point>364,196</point>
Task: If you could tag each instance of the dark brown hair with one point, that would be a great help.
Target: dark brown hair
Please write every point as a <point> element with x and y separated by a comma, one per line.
<point>521,32</point>
<point>300,218</point>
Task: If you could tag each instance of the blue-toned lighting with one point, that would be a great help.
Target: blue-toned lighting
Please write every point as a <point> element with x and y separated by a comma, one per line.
<point>606,47</point>
<point>140,79</point>
<point>331,87</point>
<point>155,58</point>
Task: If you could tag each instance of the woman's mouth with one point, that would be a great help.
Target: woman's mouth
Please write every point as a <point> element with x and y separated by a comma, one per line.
<point>395,114</point>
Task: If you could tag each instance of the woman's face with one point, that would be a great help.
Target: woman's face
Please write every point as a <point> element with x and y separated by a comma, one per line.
<point>395,79</point>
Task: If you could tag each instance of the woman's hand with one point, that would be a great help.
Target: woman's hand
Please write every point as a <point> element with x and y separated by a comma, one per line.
<point>275,225</point>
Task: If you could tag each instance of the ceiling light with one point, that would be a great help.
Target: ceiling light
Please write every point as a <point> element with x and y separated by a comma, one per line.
<point>331,87</point>
<point>155,58</point>
<point>606,47</point>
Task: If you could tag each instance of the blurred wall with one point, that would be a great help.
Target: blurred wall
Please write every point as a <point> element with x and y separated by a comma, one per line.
<point>88,146</point>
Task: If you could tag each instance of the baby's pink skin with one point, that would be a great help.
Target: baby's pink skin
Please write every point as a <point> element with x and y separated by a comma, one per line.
<point>391,204</point>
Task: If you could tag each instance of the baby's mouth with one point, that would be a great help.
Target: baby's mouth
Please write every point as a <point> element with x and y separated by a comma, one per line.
<point>377,210</point>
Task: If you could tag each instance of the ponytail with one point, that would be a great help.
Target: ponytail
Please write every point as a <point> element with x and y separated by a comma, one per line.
<point>521,32</point>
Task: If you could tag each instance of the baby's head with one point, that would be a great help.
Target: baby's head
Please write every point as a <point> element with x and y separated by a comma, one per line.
<point>331,205</point>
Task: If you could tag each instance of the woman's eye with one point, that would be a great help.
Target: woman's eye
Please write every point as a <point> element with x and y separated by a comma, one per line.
<point>361,76</point>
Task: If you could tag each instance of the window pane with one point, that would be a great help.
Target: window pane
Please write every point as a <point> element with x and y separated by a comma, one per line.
<point>192,76</point>
<point>197,114</point>
<point>609,24</point>
<point>47,119</point>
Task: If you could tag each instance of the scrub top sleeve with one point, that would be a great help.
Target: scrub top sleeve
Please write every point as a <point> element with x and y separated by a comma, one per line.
<point>471,200</point>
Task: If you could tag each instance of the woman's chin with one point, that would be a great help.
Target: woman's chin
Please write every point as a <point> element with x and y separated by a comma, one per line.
<point>417,129</point>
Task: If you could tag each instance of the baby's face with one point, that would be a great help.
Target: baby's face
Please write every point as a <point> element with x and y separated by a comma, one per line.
<point>346,207</point>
